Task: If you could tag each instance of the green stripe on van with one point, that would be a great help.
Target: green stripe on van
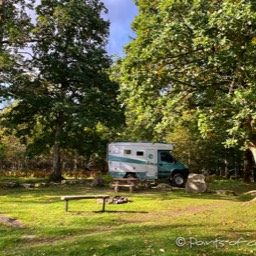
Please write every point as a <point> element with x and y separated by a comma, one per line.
<point>125,160</point>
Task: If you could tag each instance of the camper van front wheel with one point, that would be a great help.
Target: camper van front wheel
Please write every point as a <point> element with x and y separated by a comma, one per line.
<point>178,180</point>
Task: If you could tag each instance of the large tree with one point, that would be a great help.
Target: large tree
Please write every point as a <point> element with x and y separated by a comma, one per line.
<point>198,55</point>
<point>66,91</point>
<point>14,31</point>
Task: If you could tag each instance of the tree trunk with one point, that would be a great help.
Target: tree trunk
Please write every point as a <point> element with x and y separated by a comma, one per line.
<point>227,173</point>
<point>253,150</point>
<point>248,165</point>
<point>254,174</point>
<point>75,167</point>
<point>56,175</point>
<point>1,20</point>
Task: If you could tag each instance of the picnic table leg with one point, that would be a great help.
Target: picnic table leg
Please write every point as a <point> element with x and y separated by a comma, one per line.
<point>66,205</point>
<point>116,187</point>
<point>103,204</point>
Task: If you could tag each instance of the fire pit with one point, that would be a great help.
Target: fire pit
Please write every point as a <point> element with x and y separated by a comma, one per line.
<point>118,200</point>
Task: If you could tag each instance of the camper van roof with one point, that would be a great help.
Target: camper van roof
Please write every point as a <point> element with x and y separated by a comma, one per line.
<point>158,145</point>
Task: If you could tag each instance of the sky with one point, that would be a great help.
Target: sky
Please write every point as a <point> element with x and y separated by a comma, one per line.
<point>121,14</point>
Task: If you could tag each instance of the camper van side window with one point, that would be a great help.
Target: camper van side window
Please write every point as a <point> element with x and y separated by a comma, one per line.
<point>140,153</point>
<point>114,151</point>
<point>127,151</point>
<point>166,157</point>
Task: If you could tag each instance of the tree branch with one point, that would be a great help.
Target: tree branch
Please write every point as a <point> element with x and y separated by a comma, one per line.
<point>185,54</point>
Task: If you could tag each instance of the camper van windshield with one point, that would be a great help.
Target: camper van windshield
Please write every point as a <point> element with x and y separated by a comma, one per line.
<point>166,157</point>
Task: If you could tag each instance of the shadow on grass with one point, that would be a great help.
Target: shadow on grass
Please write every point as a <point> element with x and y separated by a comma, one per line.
<point>51,195</point>
<point>152,239</point>
<point>179,194</point>
<point>106,211</point>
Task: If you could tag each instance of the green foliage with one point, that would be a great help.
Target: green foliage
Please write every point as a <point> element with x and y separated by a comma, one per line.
<point>2,151</point>
<point>15,29</point>
<point>63,91</point>
<point>206,154</point>
<point>192,55</point>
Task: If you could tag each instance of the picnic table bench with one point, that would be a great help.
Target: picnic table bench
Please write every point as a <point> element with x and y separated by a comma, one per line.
<point>79,197</point>
<point>124,182</point>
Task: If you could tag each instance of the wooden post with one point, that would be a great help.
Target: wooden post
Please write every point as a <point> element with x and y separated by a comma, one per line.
<point>103,204</point>
<point>66,205</point>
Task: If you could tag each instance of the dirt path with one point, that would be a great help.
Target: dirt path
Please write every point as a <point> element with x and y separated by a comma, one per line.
<point>13,222</point>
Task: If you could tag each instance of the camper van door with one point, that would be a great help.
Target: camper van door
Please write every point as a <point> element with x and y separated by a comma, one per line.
<point>166,163</point>
<point>151,164</point>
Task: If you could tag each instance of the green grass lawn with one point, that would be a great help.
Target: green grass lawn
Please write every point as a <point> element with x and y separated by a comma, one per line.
<point>152,224</point>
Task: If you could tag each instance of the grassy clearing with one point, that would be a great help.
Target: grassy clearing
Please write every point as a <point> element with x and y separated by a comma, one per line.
<point>207,224</point>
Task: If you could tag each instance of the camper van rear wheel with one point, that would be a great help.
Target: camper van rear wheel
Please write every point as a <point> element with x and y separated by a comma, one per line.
<point>178,180</point>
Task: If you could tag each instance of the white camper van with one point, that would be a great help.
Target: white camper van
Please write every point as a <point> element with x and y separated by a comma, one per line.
<point>145,161</point>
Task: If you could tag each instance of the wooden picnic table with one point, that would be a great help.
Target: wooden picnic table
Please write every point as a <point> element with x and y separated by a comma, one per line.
<point>124,182</point>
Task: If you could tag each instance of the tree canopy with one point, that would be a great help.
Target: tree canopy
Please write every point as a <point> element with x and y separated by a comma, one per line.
<point>63,93</point>
<point>197,56</point>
